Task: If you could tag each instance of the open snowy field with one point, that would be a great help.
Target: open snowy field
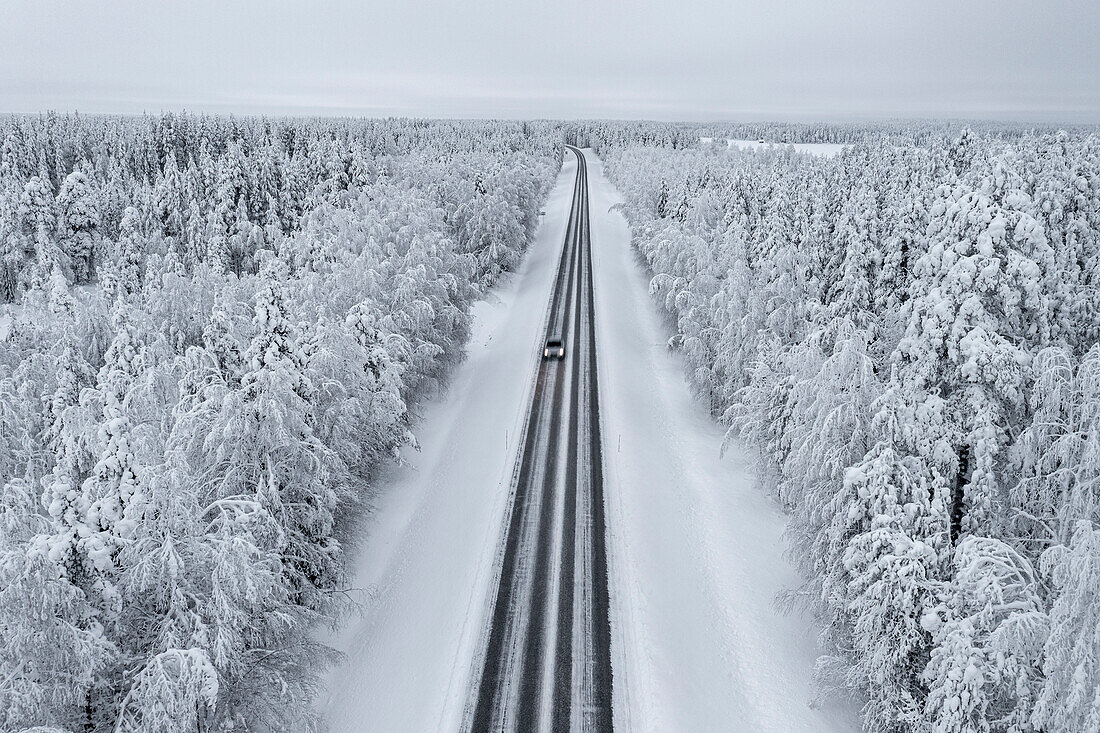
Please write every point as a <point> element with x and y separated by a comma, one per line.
<point>811,148</point>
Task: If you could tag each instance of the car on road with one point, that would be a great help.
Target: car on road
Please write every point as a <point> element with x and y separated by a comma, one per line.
<point>554,349</point>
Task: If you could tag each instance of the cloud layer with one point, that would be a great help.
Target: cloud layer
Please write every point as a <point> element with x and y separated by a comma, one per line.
<point>693,59</point>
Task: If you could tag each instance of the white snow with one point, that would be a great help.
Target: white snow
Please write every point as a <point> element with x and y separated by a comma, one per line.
<point>695,549</point>
<point>426,560</point>
<point>825,149</point>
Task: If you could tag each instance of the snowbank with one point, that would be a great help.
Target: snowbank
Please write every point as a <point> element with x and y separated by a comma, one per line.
<point>695,549</point>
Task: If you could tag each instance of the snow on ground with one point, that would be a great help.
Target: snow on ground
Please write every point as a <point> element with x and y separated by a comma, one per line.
<point>426,559</point>
<point>825,149</point>
<point>695,550</point>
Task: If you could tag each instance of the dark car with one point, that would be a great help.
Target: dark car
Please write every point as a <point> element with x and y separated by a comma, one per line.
<point>554,349</point>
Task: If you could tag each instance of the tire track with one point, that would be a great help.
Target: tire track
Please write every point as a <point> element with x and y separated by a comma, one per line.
<point>547,658</point>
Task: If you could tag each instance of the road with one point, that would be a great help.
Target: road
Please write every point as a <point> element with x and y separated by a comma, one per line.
<point>546,658</point>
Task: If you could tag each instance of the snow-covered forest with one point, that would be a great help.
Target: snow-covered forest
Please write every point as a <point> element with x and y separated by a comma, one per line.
<point>907,334</point>
<point>212,332</point>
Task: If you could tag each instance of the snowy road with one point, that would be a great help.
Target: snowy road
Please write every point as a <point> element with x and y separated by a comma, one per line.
<point>546,663</point>
<point>694,550</point>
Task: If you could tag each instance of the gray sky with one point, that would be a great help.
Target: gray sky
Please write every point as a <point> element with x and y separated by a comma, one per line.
<point>687,59</point>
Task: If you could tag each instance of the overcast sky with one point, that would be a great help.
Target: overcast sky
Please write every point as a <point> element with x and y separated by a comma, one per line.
<point>673,59</point>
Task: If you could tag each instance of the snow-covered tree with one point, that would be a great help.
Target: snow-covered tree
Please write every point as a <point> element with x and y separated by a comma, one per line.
<point>78,225</point>
<point>265,446</point>
<point>124,273</point>
<point>37,216</point>
<point>988,633</point>
<point>975,301</point>
<point>854,292</point>
<point>169,200</point>
<point>879,556</point>
<point>494,233</point>
<point>113,492</point>
<point>54,645</point>
<point>1070,695</point>
<point>1058,454</point>
<point>15,252</point>
<point>175,691</point>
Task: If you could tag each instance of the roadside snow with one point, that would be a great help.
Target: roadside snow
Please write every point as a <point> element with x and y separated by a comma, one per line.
<point>426,559</point>
<point>695,550</point>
